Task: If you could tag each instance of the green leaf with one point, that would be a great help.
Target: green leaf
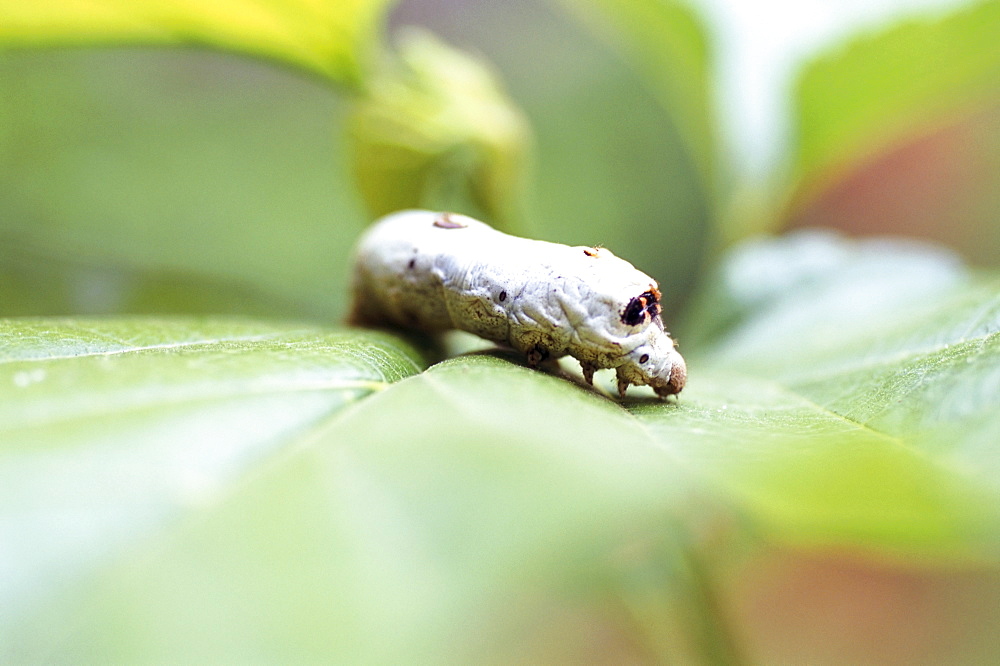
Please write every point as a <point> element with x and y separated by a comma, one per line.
<point>862,97</point>
<point>125,171</point>
<point>415,522</point>
<point>437,131</point>
<point>479,509</point>
<point>334,39</point>
<point>872,369</point>
<point>112,430</point>
<point>666,43</point>
<point>35,283</point>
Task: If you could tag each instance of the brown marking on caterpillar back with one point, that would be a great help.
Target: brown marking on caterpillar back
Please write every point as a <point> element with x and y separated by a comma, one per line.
<point>445,221</point>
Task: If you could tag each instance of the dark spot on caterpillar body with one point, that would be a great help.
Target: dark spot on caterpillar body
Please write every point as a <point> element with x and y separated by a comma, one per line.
<point>503,296</point>
<point>537,355</point>
<point>643,358</point>
<point>413,262</point>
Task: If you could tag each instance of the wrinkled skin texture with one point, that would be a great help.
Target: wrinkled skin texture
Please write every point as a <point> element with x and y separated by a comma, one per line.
<point>442,271</point>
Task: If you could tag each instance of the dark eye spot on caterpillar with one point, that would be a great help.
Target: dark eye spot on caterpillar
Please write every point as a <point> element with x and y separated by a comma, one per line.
<point>645,303</point>
<point>503,296</point>
<point>643,358</point>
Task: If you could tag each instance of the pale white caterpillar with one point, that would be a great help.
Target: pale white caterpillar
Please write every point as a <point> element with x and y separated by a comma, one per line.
<point>442,271</point>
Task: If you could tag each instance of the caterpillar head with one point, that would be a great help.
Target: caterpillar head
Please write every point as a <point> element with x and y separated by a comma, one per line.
<point>654,361</point>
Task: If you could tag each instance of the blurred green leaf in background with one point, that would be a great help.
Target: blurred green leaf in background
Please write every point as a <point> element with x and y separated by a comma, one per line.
<point>336,40</point>
<point>179,482</point>
<point>899,132</point>
<point>870,93</point>
<point>435,131</point>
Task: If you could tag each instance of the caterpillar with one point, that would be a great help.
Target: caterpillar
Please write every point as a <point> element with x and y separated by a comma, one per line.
<point>441,271</point>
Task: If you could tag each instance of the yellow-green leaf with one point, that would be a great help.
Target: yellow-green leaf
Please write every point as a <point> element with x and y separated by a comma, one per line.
<point>437,131</point>
<point>332,38</point>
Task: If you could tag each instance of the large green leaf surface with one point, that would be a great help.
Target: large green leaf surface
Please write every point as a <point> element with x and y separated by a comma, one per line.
<point>331,38</point>
<point>179,490</point>
<point>113,429</point>
<point>885,353</point>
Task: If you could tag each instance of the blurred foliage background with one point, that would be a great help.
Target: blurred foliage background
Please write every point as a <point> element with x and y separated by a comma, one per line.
<point>190,180</point>
<point>231,173</point>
